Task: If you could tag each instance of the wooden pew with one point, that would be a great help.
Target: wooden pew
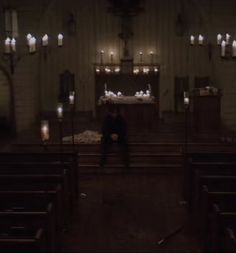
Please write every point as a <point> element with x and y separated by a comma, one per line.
<point>22,240</point>
<point>44,169</point>
<point>223,216</point>
<point>42,180</point>
<point>28,212</point>
<point>229,240</point>
<point>228,183</point>
<point>209,198</point>
<point>69,158</point>
<point>201,160</point>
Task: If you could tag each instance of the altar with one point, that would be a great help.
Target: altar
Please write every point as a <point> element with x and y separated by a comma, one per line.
<point>141,113</point>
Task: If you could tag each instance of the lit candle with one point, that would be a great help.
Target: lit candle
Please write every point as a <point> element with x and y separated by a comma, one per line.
<point>111,57</point>
<point>141,56</point>
<point>72,97</point>
<point>60,40</point>
<point>7,45</point>
<point>200,39</point>
<point>28,37</point>
<point>227,36</point>
<point>13,45</point>
<point>32,45</point>
<point>234,48</point>
<point>45,40</point>
<point>44,130</point>
<point>151,56</point>
<point>192,39</point>
<point>219,38</point>
<point>101,56</point>
<point>186,98</point>
<point>60,111</point>
<point>223,45</point>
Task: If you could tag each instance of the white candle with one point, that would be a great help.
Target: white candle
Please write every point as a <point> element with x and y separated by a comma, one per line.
<point>60,40</point>
<point>101,56</point>
<point>60,111</point>
<point>32,45</point>
<point>223,45</point>
<point>45,40</point>
<point>72,97</point>
<point>111,56</point>
<point>44,130</point>
<point>234,48</point>
<point>186,98</point>
<point>200,39</point>
<point>13,45</point>
<point>219,38</point>
<point>151,56</point>
<point>28,37</point>
<point>7,45</point>
<point>192,39</point>
<point>227,38</point>
<point>141,56</point>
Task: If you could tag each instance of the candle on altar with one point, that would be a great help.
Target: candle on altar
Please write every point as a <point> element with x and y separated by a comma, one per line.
<point>7,45</point>
<point>234,48</point>
<point>151,56</point>
<point>111,57</point>
<point>200,39</point>
<point>219,38</point>
<point>28,37</point>
<point>192,39</point>
<point>60,111</point>
<point>186,98</point>
<point>44,130</point>
<point>60,40</point>
<point>141,56</point>
<point>227,38</point>
<point>223,46</point>
<point>45,40</point>
<point>32,45</point>
<point>72,97</point>
<point>13,45</point>
<point>101,56</point>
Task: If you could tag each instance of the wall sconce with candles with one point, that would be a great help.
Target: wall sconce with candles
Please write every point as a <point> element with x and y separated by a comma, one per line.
<point>12,56</point>
<point>227,48</point>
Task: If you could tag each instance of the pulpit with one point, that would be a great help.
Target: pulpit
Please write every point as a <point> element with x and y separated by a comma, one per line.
<point>207,112</point>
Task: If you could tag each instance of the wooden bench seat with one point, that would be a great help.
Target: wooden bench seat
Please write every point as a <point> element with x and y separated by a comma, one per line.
<point>34,213</point>
<point>22,240</point>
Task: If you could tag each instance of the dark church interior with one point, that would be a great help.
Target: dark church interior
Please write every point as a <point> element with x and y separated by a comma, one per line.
<point>117,126</point>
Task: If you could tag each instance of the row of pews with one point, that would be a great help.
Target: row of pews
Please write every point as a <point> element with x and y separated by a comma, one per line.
<point>210,189</point>
<point>38,195</point>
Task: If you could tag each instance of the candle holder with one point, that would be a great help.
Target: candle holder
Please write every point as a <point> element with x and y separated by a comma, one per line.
<point>60,122</point>
<point>72,115</point>
<point>45,133</point>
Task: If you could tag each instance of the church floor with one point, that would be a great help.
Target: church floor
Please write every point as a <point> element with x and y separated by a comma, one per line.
<point>131,213</point>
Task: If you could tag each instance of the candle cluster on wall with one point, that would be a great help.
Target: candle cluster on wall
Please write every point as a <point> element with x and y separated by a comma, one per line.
<point>226,44</point>
<point>10,43</point>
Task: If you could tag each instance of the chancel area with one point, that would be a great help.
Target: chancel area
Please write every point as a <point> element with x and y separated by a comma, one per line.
<point>117,126</point>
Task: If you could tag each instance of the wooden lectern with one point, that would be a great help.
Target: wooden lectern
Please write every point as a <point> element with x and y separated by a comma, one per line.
<point>206,113</point>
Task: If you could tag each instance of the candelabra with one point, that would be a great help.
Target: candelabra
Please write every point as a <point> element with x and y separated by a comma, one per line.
<point>72,115</point>
<point>12,55</point>
<point>60,122</point>
<point>186,125</point>
<point>45,133</point>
